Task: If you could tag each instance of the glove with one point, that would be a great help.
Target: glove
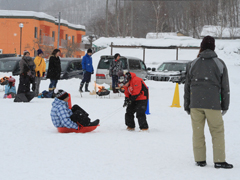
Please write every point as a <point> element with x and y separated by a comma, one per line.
<point>38,74</point>
<point>92,72</point>
<point>127,102</point>
<point>33,87</point>
<point>188,112</point>
<point>43,74</point>
<point>224,112</point>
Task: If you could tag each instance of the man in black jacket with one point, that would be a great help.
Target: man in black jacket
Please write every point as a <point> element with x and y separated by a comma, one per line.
<point>207,97</point>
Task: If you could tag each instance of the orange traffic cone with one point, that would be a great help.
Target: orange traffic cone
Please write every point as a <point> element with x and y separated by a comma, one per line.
<point>176,100</point>
<point>69,101</point>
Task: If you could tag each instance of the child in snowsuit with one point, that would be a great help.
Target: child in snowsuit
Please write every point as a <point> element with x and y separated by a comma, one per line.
<point>62,116</point>
<point>10,89</point>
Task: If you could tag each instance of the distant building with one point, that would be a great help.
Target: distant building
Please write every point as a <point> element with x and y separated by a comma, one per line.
<point>39,30</point>
<point>160,35</point>
<point>220,32</point>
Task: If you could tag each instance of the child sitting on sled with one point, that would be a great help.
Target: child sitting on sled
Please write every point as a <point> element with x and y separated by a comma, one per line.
<point>10,89</point>
<point>62,116</point>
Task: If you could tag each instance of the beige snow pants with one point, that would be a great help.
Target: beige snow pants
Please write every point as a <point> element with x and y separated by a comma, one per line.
<point>216,127</point>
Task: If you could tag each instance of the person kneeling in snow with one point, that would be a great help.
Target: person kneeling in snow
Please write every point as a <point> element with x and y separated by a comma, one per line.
<point>10,90</point>
<point>62,116</point>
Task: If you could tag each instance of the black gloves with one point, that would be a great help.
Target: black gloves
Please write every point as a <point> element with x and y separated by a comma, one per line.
<point>43,74</point>
<point>188,112</point>
<point>38,74</point>
<point>92,72</point>
<point>33,87</point>
<point>224,112</point>
<point>127,102</point>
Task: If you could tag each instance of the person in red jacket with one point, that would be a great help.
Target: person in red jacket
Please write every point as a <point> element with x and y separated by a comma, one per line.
<point>136,99</point>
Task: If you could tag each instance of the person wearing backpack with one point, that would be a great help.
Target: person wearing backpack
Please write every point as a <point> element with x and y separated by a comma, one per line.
<point>206,98</point>
<point>27,77</point>
<point>40,70</point>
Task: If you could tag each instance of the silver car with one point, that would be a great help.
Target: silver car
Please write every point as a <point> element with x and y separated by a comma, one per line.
<point>174,71</point>
<point>130,64</point>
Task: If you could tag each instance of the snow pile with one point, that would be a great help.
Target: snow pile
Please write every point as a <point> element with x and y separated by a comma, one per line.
<point>220,32</point>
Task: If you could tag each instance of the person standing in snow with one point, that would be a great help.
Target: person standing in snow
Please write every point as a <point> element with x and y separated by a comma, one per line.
<point>54,69</point>
<point>136,99</point>
<point>115,70</point>
<point>27,77</point>
<point>207,97</point>
<point>87,70</point>
<point>62,116</point>
<point>40,69</point>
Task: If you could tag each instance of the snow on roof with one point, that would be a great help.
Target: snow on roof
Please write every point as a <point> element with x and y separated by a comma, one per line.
<point>40,15</point>
<point>218,31</point>
<point>160,35</point>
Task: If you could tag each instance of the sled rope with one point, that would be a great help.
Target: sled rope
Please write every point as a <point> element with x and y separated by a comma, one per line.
<point>107,117</point>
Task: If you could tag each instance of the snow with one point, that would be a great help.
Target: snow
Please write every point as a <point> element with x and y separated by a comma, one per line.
<point>31,147</point>
<point>160,35</point>
<point>222,32</point>
<point>41,15</point>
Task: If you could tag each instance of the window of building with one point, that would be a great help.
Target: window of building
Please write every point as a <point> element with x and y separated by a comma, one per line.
<point>66,37</point>
<point>40,36</point>
<point>73,39</point>
<point>53,35</point>
<point>35,32</point>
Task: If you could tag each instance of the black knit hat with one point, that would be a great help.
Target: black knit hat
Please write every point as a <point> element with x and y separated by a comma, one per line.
<point>208,42</point>
<point>89,51</point>
<point>61,94</point>
<point>116,55</point>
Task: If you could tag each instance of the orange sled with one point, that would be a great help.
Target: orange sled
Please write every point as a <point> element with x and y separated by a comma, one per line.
<point>81,129</point>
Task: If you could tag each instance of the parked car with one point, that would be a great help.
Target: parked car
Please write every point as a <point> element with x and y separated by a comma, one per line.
<point>174,71</point>
<point>10,64</point>
<point>71,68</point>
<point>130,64</point>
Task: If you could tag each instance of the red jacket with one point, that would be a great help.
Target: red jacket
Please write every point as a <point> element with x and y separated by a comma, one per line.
<point>137,89</point>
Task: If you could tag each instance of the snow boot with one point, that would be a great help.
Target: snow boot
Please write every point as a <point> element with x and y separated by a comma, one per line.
<point>223,165</point>
<point>81,86</point>
<point>94,123</point>
<point>201,163</point>
<point>130,129</point>
<point>144,130</point>
<point>86,88</point>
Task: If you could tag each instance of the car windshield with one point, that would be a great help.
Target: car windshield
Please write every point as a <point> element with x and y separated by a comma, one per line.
<point>172,67</point>
<point>105,63</point>
<point>64,65</point>
<point>7,65</point>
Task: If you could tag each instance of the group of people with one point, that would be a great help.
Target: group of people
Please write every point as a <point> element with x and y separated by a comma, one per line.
<point>206,96</point>
<point>32,72</point>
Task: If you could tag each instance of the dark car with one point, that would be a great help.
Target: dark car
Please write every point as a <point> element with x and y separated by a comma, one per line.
<point>173,71</point>
<point>10,64</point>
<point>71,68</point>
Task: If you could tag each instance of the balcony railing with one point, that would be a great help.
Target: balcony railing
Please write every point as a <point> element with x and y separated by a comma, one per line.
<point>46,40</point>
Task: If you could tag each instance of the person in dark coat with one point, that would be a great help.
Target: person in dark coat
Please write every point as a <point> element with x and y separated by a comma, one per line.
<point>54,69</point>
<point>115,70</point>
<point>207,96</point>
<point>136,99</point>
<point>27,77</point>
<point>87,70</point>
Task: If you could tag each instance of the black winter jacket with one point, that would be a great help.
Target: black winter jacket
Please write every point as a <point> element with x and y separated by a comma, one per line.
<point>207,84</point>
<point>54,68</point>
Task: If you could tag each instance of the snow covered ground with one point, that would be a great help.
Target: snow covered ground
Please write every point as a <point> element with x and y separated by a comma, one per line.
<point>32,149</point>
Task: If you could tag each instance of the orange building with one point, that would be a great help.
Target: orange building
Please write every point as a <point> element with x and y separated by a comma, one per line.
<point>39,30</point>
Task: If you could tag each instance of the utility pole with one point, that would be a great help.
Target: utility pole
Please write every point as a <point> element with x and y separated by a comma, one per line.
<point>21,26</point>
<point>106,23</point>
<point>116,13</point>
<point>59,19</point>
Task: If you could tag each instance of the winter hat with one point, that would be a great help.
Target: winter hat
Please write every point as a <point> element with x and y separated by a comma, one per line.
<point>61,94</point>
<point>127,77</point>
<point>25,52</point>
<point>116,55</point>
<point>208,42</point>
<point>11,80</point>
<point>39,51</point>
<point>89,51</point>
